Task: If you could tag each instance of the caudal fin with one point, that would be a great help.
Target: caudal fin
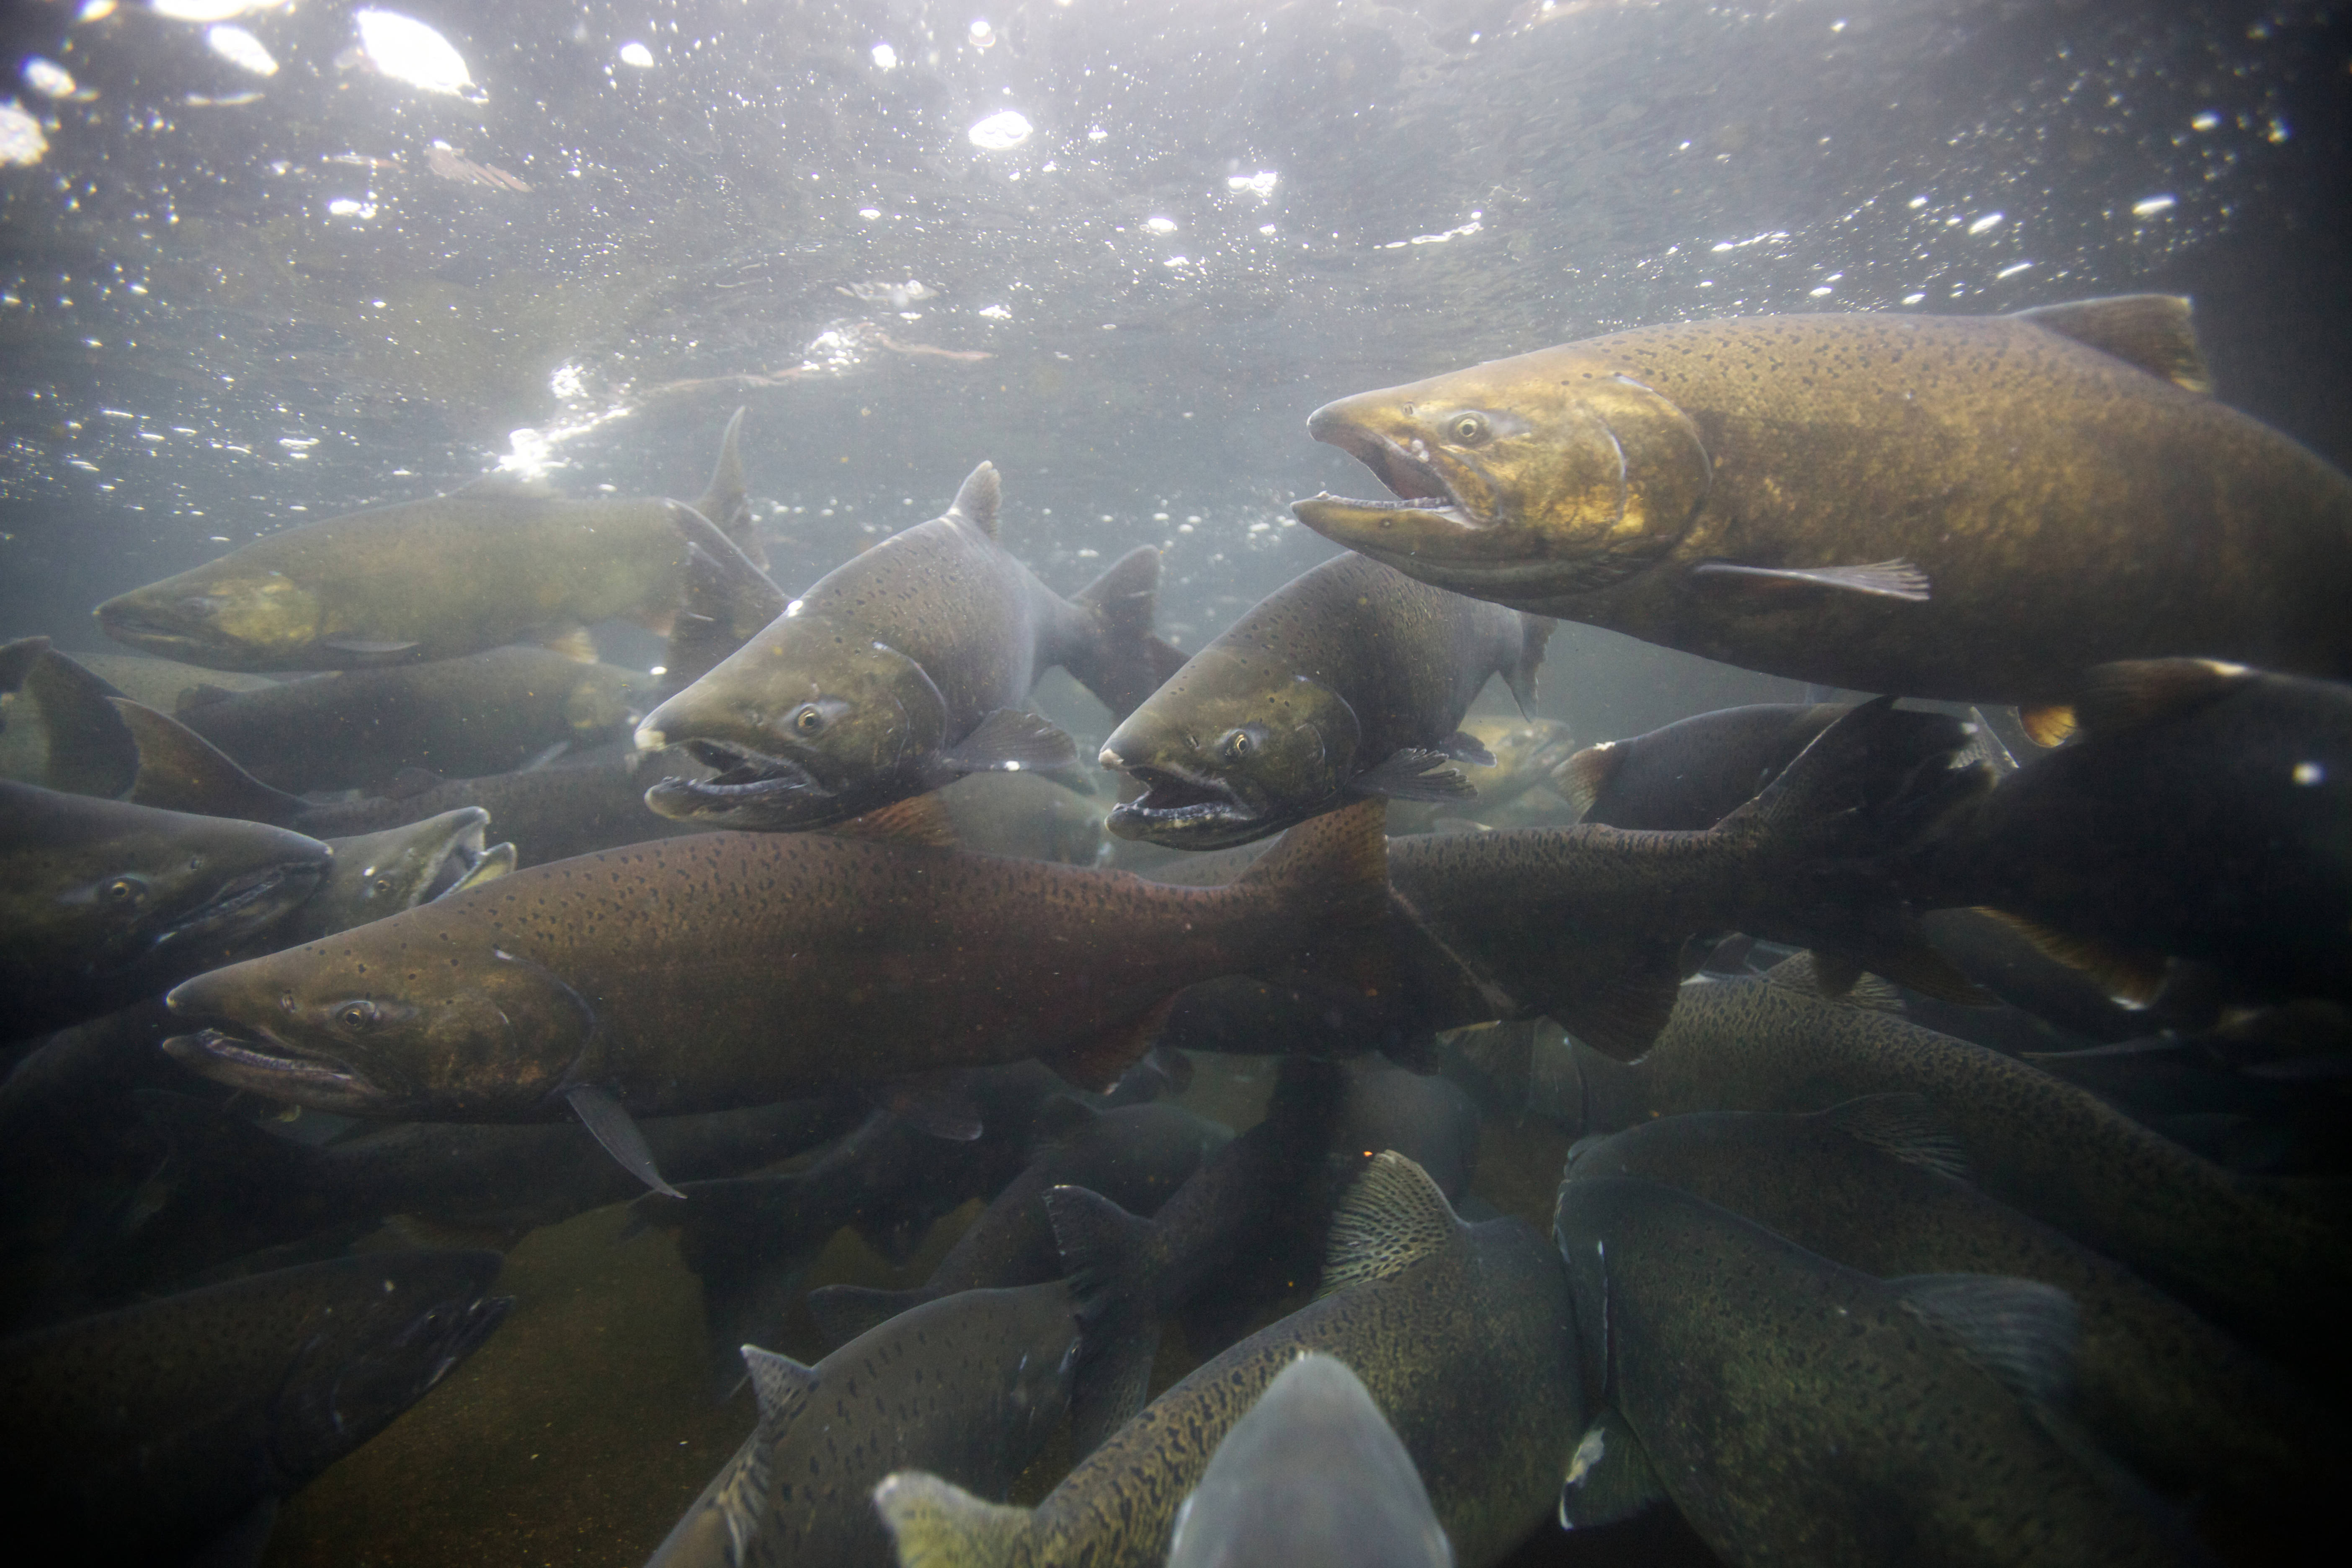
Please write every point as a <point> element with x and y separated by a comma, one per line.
<point>728,503</point>
<point>89,751</point>
<point>1121,661</point>
<point>1838,826</point>
<point>938,1524</point>
<point>179,770</point>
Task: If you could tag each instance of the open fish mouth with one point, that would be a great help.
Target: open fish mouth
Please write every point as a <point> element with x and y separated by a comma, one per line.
<point>745,781</point>
<point>246,903</point>
<point>1178,803</point>
<point>134,625</point>
<point>268,1065</point>
<point>1416,484</point>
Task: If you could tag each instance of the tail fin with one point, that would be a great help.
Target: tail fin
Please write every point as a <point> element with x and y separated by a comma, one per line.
<point>1839,824</point>
<point>1535,631</point>
<point>179,770</point>
<point>728,503</point>
<point>938,1524</point>
<point>1122,662</point>
<point>845,1311</point>
<point>1328,871</point>
<point>1104,1248</point>
<point>725,601</point>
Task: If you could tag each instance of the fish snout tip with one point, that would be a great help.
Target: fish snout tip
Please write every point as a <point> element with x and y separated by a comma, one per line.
<point>649,739</point>
<point>1111,761</point>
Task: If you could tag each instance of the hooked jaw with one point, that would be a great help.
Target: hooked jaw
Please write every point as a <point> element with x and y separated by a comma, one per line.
<point>752,789</point>
<point>1181,807</point>
<point>245,1055</point>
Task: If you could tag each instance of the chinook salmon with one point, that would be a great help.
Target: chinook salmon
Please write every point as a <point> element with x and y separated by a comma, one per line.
<point>166,1431</point>
<point>1801,1412</point>
<point>901,671</point>
<point>2192,784</point>
<point>1461,1333</point>
<point>485,713</point>
<point>102,902</point>
<point>970,1385</point>
<point>2256,1253</point>
<point>1350,680</point>
<point>717,969</point>
<point>1876,1186</point>
<point>1972,508</point>
<point>502,560</point>
<point>1691,773</point>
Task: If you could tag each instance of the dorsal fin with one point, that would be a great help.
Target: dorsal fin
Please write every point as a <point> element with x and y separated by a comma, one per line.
<point>1390,1219</point>
<point>2132,693</point>
<point>2020,1331</point>
<point>90,750</point>
<point>782,1386</point>
<point>727,500</point>
<point>17,661</point>
<point>1580,780</point>
<point>1902,1126</point>
<point>724,600</point>
<point>919,819</point>
<point>1836,980</point>
<point>977,499</point>
<point>179,770</point>
<point>2155,331</point>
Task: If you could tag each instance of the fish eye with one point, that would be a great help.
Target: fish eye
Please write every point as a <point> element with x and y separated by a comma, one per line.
<point>1236,747</point>
<point>286,1001</point>
<point>124,891</point>
<point>809,719</point>
<point>355,1016</point>
<point>1468,428</point>
<point>383,884</point>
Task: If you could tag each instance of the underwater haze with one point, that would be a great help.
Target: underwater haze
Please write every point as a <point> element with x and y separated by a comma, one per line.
<point>264,263</point>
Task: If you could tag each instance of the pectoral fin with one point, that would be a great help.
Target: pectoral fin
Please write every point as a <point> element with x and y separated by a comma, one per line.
<point>1011,741</point>
<point>1465,747</point>
<point>617,1131</point>
<point>365,646</point>
<point>1896,579</point>
<point>1610,1476</point>
<point>1413,773</point>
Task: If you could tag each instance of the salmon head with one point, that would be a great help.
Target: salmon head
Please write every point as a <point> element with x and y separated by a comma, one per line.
<point>1527,478</point>
<point>230,614</point>
<point>1235,746</point>
<point>812,721</point>
<point>390,1020</point>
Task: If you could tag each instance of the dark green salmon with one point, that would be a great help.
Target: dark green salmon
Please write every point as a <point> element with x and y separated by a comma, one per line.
<point>485,713</point>
<point>902,670</point>
<point>1875,1186</point>
<point>154,1432</point>
<point>970,1387</point>
<point>1588,925</point>
<point>549,813</point>
<point>717,969</point>
<point>2252,1251</point>
<point>1798,1412</point>
<point>102,902</point>
<point>2205,813</point>
<point>1972,508</point>
<point>1694,772</point>
<point>1350,680</point>
<point>1311,1477</point>
<point>500,561</point>
<point>377,874</point>
<point>1461,1333</point>
<point>1135,1155</point>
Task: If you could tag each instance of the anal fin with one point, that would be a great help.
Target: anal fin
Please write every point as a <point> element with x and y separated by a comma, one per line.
<point>1610,1476</point>
<point>575,645</point>
<point>2133,978</point>
<point>1099,1062</point>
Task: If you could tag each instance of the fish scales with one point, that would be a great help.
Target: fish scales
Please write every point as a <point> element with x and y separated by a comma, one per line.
<point>718,970</point>
<point>2066,506</point>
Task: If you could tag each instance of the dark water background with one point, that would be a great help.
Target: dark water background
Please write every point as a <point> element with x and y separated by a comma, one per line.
<point>230,302</point>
